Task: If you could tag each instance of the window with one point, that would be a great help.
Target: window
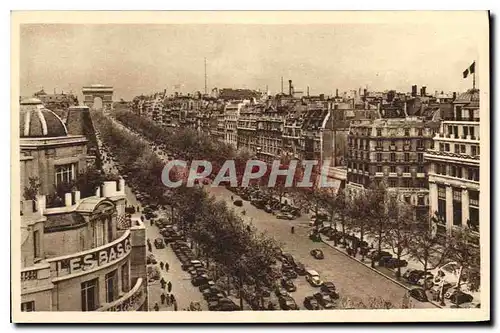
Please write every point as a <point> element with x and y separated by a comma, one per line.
<point>110,281</point>
<point>89,295</point>
<point>447,147</point>
<point>393,157</point>
<point>466,130</point>
<point>379,132</point>
<point>462,149</point>
<point>455,131</point>
<point>392,169</point>
<point>28,306</point>
<point>65,173</point>
<point>379,157</point>
<point>421,201</point>
<point>472,133</point>
<point>420,143</point>
<point>393,183</point>
<point>441,147</point>
<point>379,144</point>
<point>453,171</point>
<point>442,201</point>
<point>406,169</point>
<point>36,244</point>
<point>125,277</point>
<point>459,172</point>
<point>450,129</point>
<point>473,150</point>
<point>457,206</point>
<point>420,169</point>
<point>420,157</point>
<point>407,132</point>
<point>407,157</point>
<point>379,168</point>
<point>457,149</point>
<point>420,132</point>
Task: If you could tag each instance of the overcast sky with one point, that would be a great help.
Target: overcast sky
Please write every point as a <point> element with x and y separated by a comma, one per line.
<point>139,59</point>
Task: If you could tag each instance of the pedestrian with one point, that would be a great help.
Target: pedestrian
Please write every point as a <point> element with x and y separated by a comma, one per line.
<point>167,299</point>
<point>142,218</point>
<point>151,222</point>
<point>161,265</point>
<point>157,307</point>
<point>167,266</point>
<point>162,282</point>
<point>170,287</point>
<point>138,208</point>
<point>172,299</point>
<point>162,297</point>
<point>293,230</point>
<point>175,306</point>
<point>248,228</point>
<point>150,248</point>
<point>231,198</point>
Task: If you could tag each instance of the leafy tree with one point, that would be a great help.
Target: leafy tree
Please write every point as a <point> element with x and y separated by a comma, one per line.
<point>33,188</point>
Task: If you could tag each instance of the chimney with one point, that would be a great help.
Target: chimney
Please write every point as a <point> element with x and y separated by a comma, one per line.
<point>414,90</point>
<point>454,95</point>
<point>307,91</point>
<point>321,97</point>
<point>336,93</point>
<point>365,94</point>
<point>290,88</point>
<point>282,85</point>
<point>77,196</point>
<point>98,192</point>
<point>422,91</point>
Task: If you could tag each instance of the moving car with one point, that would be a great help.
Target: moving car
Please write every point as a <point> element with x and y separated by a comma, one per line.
<point>457,297</point>
<point>310,303</point>
<point>329,289</point>
<point>324,300</point>
<point>287,303</point>
<point>288,285</point>
<point>317,254</point>
<point>313,278</point>
<point>159,244</point>
<point>377,255</point>
<point>395,263</point>
<point>150,259</point>
<point>285,216</point>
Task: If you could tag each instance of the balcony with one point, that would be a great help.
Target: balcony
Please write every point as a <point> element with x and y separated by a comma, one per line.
<point>393,174</point>
<point>377,148</point>
<point>379,174</point>
<point>131,301</point>
<point>393,148</point>
<point>420,174</point>
<point>406,147</point>
<point>406,174</point>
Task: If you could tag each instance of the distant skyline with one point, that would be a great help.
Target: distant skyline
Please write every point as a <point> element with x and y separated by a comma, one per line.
<point>142,59</point>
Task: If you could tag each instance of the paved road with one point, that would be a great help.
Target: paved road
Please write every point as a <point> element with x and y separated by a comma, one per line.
<point>353,280</point>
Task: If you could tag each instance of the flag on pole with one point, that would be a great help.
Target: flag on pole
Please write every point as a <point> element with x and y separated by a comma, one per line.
<point>177,86</point>
<point>470,70</point>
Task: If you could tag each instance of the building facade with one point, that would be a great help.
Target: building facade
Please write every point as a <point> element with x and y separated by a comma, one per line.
<point>79,251</point>
<point>454,166</point>
<point>391,149</point>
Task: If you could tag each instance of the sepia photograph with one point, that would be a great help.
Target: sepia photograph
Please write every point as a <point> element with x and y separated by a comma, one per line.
<point>251,167</point>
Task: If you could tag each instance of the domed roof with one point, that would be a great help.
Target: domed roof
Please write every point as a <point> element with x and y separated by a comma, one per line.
<point>36,121</point>
<point>471,95</point>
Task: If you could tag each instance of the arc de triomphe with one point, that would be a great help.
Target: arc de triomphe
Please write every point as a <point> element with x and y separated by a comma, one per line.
<point>98,90</point>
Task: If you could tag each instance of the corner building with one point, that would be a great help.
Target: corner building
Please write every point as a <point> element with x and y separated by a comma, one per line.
<point>454,166</point>
<point>78,253</point>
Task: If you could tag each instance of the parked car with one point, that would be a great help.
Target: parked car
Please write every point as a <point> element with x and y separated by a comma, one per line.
<point>280,291</point>
<point>288,285</point>
<point>300,268</point>
<point>313,278</point>
<point>159,244</point>
<point>325,300</point>
<point>200,279</point>
<point>317,254</point>
<point>150,259</point>
<point>268,209</point>
<point>310,303</point>
<point>207,285</point>
<point>376,255</point>
<point>238,203</point>
<point>288,258</point>
<point>457,297</point>
<point>418,294</point>
<point>287,303</point>
<point>290,274</point>
<point>395,263</point>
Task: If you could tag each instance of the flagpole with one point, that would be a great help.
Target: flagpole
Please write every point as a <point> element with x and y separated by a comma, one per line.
<point>474,79</point>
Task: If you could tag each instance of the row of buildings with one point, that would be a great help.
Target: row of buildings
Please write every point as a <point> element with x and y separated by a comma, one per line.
<point>79,250</point>
<point>424,146</point>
